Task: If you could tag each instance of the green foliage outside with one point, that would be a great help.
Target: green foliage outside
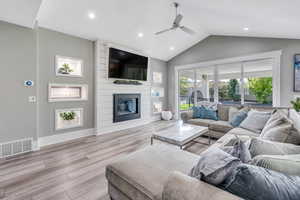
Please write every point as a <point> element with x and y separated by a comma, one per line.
<point>296,104</point>
<point>232,93</point>
<point>261,88</point>
<point>186,106</point>
<point>184,86</point>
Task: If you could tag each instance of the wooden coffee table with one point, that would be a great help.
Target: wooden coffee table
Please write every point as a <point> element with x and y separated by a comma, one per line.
<point>180,134</point>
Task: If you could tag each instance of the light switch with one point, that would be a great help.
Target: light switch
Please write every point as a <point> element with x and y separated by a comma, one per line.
<point>32,99</point>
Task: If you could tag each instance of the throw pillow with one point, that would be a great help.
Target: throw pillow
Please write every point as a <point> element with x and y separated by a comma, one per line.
<point>258,146</point>
<point>238,118</point>
<point>255,121</point>
<point>257,183</point>
<point>214,166</point>
<point>208,113</point>
<point>233,111</point>
<point>196,112</point>
<point>204,113</point>
<point>239,150</point>
<point>280,129</point>
<point>287,164</point>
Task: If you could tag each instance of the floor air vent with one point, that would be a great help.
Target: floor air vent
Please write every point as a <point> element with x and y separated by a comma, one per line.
<point>16,147</point>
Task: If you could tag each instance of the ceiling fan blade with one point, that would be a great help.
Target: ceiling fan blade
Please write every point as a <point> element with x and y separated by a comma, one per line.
<point>177,20</point>
<point>187,30</point>
<point>163,31</point>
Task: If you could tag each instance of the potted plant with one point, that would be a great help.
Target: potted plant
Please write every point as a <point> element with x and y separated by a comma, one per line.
<point>296,104</point>
<point>68,117</point>
<point>65,69</point>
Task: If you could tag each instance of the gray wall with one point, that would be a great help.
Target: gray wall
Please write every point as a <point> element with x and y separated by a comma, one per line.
<point>17,64</point>
<point>161,66</point>
<point>53,43</point>
<point>219,47</point>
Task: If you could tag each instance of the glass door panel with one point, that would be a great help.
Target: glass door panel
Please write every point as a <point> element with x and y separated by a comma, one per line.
<point>186,89</point>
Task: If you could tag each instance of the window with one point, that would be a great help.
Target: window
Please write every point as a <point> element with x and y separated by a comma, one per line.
<point>248,82</point>
<point>258,82</point>
<point>186,89</point>
<point>204,86</point>
<point>229,83</point>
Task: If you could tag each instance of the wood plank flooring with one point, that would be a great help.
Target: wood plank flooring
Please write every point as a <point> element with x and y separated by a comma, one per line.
<point>74,170</point>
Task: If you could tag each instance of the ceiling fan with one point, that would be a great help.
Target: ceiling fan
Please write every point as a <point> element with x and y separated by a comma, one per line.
<point>176,24</point>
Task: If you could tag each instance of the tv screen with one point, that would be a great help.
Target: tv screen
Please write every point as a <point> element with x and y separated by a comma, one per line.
<point>125,65</point>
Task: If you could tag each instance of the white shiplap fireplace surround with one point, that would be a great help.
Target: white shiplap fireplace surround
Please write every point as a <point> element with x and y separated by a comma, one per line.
<point>105,88</point>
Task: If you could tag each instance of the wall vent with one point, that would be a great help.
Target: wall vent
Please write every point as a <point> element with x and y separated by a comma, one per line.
<point>16,147</point>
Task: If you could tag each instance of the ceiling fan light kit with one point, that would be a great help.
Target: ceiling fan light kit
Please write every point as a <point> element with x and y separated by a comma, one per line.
<point>176,23</point>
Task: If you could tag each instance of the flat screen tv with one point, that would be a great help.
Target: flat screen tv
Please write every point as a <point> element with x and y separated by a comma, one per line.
<point>125,65</point>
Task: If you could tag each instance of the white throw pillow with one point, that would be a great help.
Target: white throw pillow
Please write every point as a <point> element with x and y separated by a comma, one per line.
<point>255,121</point>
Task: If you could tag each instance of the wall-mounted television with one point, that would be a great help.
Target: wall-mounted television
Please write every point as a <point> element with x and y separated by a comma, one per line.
<point>125,65</point>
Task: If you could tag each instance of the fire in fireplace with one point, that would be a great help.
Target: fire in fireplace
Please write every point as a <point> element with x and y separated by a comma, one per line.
<point>126,107</point>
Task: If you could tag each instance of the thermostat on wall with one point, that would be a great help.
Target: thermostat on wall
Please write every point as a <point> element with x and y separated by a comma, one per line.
<point>28,83</point>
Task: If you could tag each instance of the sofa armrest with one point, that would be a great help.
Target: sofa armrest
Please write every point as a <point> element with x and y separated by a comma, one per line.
<point>186,115</point>
<point>182,187</point>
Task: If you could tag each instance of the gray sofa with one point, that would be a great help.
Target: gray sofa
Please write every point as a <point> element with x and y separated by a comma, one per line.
<point>159,172</point>
<point>219,128</point>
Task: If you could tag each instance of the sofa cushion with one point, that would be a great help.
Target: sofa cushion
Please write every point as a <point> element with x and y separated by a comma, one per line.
<point>256,120</point>
<point>223,111</point>
<point>201,122</point>
<point>241,131</point>
<point>264,147</point>
<point>143,173</point>
<point>257,183</point>
<point>287,164</point>
<point>221,126</point>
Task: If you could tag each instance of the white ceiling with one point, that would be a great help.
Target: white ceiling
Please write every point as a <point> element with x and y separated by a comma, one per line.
<point>120,21</point>
<point>22,12</point>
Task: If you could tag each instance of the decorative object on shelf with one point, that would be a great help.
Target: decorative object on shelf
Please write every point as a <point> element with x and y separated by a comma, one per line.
<point>67,66</point>
<point>166,115</point>
<point>157,107</point>
<point>68,118</point>
<point>67,92</point>
<point>68,115</point>
<point>296,104</point>
<point>127,82</point>
<point>157,92</point>
<point>297,73</point>
<point>65,69</point>
<point>157,77</point>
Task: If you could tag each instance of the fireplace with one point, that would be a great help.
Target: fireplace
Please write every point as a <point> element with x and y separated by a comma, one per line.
<point>126,107</point>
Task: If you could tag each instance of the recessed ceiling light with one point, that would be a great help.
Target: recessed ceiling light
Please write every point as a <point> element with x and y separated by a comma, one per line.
<point>92,15</point>
<point>172,48</point>
<point>140,35</point>
<point>246,29</point>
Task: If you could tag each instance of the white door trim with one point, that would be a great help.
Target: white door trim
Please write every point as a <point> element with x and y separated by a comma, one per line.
<point>274,55</point>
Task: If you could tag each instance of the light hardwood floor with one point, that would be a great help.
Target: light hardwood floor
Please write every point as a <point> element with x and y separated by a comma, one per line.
<point>74,170</point>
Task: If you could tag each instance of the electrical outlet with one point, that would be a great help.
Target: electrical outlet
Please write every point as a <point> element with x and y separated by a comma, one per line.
<point>32,99</point>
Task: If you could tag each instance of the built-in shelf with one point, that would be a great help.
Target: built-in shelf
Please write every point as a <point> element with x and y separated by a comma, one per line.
<point>157,92</point>
<point>75,121</point>
<point>67,92</point>
<point>68,66</point>
<point>157,107</point>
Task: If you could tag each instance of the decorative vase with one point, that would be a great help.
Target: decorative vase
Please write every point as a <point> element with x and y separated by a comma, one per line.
<point>166,115</point>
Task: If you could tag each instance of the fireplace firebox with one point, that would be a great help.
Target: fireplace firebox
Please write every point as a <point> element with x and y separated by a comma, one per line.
<point>126,107</point>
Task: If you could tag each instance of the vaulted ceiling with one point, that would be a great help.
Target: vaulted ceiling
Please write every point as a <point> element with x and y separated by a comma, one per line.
<point>120,21</point>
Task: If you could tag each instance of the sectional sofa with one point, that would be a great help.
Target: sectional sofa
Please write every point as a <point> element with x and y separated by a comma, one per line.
<point>159,172</point>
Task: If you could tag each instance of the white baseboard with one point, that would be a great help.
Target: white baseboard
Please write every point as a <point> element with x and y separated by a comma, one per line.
<point>64,137</point>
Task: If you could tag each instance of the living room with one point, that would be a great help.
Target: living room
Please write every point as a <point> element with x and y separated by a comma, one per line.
<point>144,100</point>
